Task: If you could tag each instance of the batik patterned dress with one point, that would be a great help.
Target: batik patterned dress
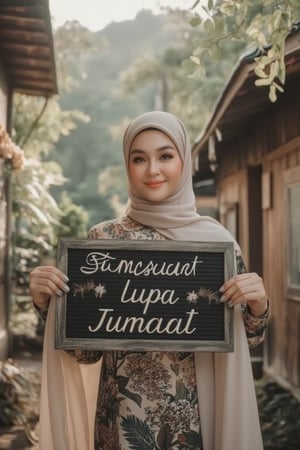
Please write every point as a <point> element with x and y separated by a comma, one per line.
<point>148,400</point>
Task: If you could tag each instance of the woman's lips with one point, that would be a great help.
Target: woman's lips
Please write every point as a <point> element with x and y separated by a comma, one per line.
<point>154,184</point>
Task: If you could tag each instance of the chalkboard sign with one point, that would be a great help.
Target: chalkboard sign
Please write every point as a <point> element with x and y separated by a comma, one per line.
<point>144,295</point>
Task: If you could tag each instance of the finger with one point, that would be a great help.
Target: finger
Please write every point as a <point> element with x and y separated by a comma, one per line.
<point>47,282</point>
<point>50,286</point>
<point>240,281</point>
<point>236,291</point>
<point>44,270</point>
<point>247,293</point>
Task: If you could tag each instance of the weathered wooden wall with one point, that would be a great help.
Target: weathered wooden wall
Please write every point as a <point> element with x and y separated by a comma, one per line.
<point>272,143</point>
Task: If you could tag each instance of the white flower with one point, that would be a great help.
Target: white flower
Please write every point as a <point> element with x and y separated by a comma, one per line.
<point>100,290</point>
<point>192,297</point>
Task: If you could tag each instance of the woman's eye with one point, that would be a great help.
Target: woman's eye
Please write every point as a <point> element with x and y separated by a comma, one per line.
<point>166,156</point>
<point>137,159</point>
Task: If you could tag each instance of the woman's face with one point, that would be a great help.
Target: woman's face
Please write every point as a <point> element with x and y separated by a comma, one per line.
<point>155,167</point>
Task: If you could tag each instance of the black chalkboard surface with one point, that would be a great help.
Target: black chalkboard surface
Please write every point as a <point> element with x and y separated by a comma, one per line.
<point>144,295</point>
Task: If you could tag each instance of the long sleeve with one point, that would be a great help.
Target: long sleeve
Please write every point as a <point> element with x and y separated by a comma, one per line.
<point>255,326</point>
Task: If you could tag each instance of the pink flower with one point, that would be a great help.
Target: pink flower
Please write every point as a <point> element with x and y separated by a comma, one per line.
<point>10,151</point>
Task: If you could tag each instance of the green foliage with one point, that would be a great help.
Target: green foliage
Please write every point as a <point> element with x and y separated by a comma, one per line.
<point>73,219</point>
<point>38,124</point>
<point>190,97</point>
<point>113,186</point>
<point>35,215</point>
<point>95,146</point>
<point>259,25</point>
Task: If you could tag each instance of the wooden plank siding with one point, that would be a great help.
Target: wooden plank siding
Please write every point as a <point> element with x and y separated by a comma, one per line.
<point>268,144</point>
<point>273,142</point>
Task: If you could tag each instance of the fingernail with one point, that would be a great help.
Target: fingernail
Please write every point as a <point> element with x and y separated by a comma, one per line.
<point>230,304</point>
<point>59,292</point>
<point>223,299</point>
<point>66,278</point>
<point>221,289</point>
<point>66,288</point>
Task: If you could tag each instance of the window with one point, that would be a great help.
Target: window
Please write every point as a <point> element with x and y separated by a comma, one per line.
<point>293,204</point>
<point>292,197</point>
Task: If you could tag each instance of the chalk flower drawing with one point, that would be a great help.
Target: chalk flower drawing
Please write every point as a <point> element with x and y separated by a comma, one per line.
<point>90,285</point>
<point>192,297</point>
<point>82,289</point>
<point>79,289</point>
<point>211,296</point>
<point>202,294</point>
<point>99,290</point>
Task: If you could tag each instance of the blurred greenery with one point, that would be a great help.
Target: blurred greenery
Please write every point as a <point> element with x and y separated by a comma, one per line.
<point>105,79</point>
<point>138,69</point>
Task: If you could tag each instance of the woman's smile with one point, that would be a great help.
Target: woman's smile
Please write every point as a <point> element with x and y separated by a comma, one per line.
<point>154,184</point>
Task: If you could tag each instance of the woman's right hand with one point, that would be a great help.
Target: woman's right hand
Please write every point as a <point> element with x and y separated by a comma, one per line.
<point>45,281</point>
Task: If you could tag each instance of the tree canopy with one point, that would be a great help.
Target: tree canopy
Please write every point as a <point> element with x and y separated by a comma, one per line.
<point>259,25</point>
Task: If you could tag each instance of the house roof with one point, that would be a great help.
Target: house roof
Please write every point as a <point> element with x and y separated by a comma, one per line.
<point>242,101</point>
<point>26,46</point>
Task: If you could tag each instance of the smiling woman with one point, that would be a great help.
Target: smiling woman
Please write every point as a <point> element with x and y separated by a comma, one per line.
<point>153,399</point>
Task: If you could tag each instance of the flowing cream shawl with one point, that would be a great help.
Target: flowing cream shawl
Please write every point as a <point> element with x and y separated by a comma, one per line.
<point>227,400</point>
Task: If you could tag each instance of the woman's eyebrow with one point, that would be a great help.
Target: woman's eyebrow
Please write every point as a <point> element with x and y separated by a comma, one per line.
<point>160,149</point>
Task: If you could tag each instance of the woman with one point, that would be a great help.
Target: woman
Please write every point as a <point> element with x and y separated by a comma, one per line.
<point>154,400</point>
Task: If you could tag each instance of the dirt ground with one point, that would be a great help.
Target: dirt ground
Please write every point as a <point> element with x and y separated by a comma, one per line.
<point>18,437</point>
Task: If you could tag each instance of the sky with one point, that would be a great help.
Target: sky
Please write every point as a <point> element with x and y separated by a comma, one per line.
<point>96,14</point>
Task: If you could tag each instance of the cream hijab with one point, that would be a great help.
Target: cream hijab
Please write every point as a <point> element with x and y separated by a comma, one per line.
<point>227,401</point>
<point>176,218</point>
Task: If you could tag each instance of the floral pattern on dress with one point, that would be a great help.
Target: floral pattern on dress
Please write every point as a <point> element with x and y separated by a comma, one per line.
<point>148,400</point>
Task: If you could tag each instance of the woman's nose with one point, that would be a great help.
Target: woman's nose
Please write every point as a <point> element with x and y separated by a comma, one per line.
<point>153,167</point>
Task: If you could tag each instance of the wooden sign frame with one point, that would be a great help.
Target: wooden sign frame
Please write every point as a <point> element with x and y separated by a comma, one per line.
<point>144,295</point>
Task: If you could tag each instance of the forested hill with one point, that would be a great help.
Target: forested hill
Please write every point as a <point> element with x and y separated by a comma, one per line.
<point>91,147</point>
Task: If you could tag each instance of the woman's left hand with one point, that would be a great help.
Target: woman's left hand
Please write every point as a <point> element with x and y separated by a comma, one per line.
<point>246,288</point>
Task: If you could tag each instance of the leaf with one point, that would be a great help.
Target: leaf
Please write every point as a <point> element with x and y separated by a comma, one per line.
<point>138,433</point>
<point>195,4</point>
<point>181,391</point>
<point>260,73</point>
<point>210,4</point>
<point>272,94</point>
<point>195,20</point>
<point>122,381</point>
<point>38,213</point>
<point>218,134</point>
<point>195,59</point>
<point>278,87</point>
<point>188,65</point>
<point>175,368</point>
<point>263,82</point>
<point>209,26</point>
<point>193,439</point>
<point>31,190</point>
<point>165,437</point>
<point>134,397</point>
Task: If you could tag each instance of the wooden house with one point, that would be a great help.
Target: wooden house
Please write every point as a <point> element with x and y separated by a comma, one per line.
<point>251,147</point>
<point>26,66</point>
